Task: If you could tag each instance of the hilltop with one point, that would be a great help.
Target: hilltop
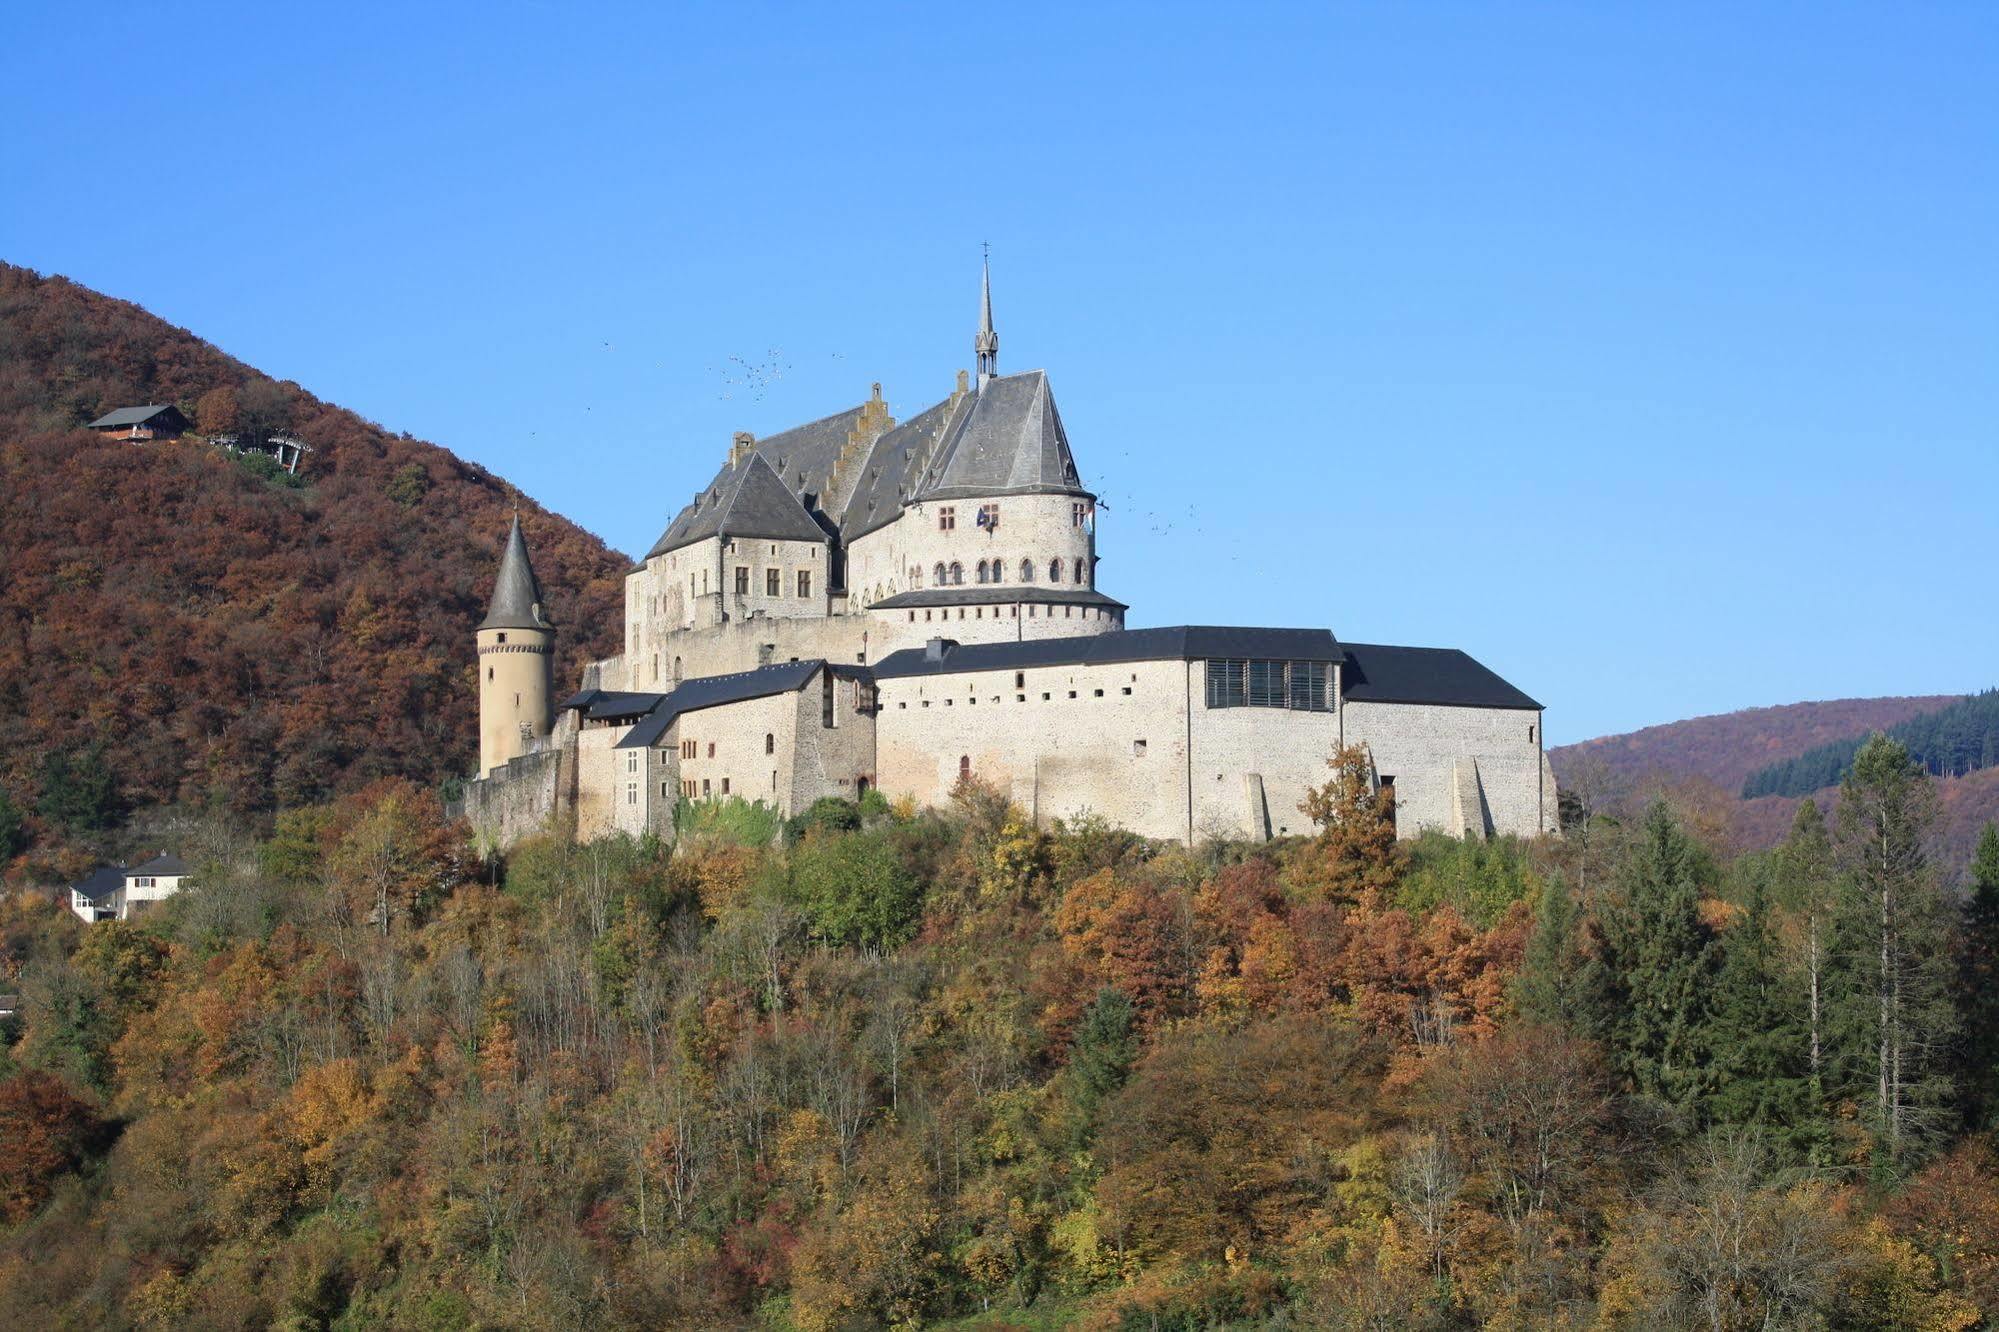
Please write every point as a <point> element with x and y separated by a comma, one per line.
<point>224,636</point>
<point>1708,759</point>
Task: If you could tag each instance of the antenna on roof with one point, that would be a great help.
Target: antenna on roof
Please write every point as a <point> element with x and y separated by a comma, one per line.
<point>986,345</point>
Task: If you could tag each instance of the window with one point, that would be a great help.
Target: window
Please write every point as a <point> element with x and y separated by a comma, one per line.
<point>947,518</point>
<point>1304,686</point>
<point>1138,749</point>
<point>502,638</point>
<point>773,582</point>
<point>742,580</point>
<point>826,712</point>
<point>711,749</point>
<point>1076,516</point>
<point>1020,679</point>
<point>943,575</point>
<point>631,794</point>
<point>704,787</point>
<point>676,670</point>
<point>1027,571</point>
<point>1530,733</point>
<point>989,516</point>
<point>981,575</point>
<point>770,743</point>
<point>964,767</point>
<point>957,575</point>
<point>999,571</point>
<point>725,786</point>
<point>690,749</point>
<point>489,672</point>
<point>804,582</point>
<point>1054,571</point>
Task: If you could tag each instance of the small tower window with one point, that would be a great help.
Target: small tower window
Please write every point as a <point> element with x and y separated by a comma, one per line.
<point>1027,571</point>
<point>964,767</point>
<point>982,571</point>
<point>489,672</point>
<point>957,573</point>
<point>942,575</point>
<point>1054,571</point>
<point>770,742</point>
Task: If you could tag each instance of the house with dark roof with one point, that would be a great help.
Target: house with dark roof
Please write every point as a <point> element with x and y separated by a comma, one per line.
<point>113,892</point>
<point>151,422</point>
<point>930,585</point>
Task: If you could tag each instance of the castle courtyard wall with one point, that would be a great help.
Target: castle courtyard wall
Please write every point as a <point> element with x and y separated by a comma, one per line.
<point>1417,744</point>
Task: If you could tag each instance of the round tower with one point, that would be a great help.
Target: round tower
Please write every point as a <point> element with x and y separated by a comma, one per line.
<point>516,661</point>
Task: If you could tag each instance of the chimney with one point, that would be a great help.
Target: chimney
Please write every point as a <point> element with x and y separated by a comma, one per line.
<point>745,443</point>
<point>936,648</point>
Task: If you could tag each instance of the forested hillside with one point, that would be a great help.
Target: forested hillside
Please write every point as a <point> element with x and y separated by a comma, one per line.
<point>1960,738</point>
<point>935,1068</point>
<point>180,626</point>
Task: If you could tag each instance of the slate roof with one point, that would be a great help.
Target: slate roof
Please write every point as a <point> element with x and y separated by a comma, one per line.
<point>611,704</point>
<point>516,592</point>
<point>1380,674</point>
<point>131,416</point>
<point>748,499</point>
<point>712,691</point>
<point>1000,594</point>
<point>103,881</point>
<point>1010,442</point>
<point>1006,439</point>
<point>162,865</point>
<point>1187,642</point>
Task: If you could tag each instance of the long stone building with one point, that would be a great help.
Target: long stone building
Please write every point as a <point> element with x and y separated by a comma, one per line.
<point>859,602</point>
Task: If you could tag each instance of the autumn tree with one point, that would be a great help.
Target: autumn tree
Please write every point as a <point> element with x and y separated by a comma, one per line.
<point>215,411</point>
<point>1895,1015</point>
<point>45,1131</point>
<point>13,833</point>
<point>1355,853</point>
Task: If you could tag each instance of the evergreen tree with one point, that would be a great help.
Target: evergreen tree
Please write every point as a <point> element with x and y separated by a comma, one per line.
<point>1552,987</point>
<point>1653,979</point>
<point>1807,889</point>
<point>1104,1049</point>
<point>78,791</point>
<point>1893,1017</point>
<point>13,836</point>
<point>1762,1074</point>
<point>1978,985</point>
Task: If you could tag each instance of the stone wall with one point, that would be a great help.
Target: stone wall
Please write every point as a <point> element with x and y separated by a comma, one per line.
<point>522,797</point>
<point>903,556</point>
<point>1419,744</point>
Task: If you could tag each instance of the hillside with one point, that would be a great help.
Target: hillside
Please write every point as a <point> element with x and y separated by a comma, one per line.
<point>1716,754</point>
<point>225,638</point>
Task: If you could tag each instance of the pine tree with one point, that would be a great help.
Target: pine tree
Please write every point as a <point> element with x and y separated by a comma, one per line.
<point>1655,974</point>
<point>1894,1017</point>
<point>1552,987</point>
<point>78,792</point>
<point>1760,1064</point>
<point>1807,888</point>
<point>13,836</point>
<point>1978,985</point>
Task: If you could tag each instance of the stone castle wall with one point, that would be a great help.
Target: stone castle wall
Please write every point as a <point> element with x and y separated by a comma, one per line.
<point>1035,528</point>
<point>520,798</point>
<point>1418,744</point>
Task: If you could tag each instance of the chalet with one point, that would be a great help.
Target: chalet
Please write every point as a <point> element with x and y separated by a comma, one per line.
<point>157,421</point>
<point>116,893</point>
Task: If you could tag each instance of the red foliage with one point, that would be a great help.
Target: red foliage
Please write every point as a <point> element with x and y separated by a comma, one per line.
<point>45,1131</point>
<point>229,641</point>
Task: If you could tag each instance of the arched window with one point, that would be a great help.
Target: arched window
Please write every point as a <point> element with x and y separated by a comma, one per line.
<point>941,576</point>
<point>982,571</point>
<point>1054,571</point>
<point>676,670</point>
<point>957,573</point>
<point>999,571</point>
<point>1082,574</point>
<point>964,767</point>
<point>1027,571</point>
<point>770,743</point>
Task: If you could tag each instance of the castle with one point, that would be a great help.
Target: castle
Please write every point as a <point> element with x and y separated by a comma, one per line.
<point>859,602</point>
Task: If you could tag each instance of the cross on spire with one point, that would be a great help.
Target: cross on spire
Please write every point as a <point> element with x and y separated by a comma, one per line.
<point>986,344</point>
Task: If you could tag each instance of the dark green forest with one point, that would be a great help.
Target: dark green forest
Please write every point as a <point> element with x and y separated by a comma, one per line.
<point>1952,741</point>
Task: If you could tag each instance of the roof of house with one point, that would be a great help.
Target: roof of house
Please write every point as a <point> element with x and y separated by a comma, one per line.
<point>102,881</point>
<point>129,416</point>
<point>1375,673</point>
<point>712,691</point>
<point>1005,439</point>
<point>1010,442</point>
<point>1186,642</point>
<point>597,704</point>
<point>516,592</point>
<point>1001,594</point>
<point>748,499</point>
<point>164,865</point>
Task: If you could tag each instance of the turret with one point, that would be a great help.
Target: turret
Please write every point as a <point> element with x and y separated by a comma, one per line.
<point>516,661</point>
<point>985,345</point>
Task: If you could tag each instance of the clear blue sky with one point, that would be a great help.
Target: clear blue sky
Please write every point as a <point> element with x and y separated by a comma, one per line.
<point>1650,354</point>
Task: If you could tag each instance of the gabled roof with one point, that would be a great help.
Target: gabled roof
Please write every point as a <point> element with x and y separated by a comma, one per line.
<point>131,416</point>
<point>1375,673</point>
<point>748,499</point>
<point>103,880</point>
<point>599,704</point>
<point>163,865</point>
<point>1003,595</point>
<point>516,592</point>
<point>1010,442</point>
<point>1187,642</point>
<point>712,691</point>
<point>887,476</point>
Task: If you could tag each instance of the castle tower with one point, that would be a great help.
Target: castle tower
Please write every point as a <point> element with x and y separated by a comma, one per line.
<point>986,345</point>
<point>516,661</point>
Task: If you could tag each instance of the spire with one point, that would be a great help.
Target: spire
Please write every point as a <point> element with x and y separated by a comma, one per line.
<point>986,345</point>
<point>516,592</point>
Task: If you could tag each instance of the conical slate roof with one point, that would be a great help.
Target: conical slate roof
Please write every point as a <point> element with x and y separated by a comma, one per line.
<point>1011,442</point>
<point>516,592</point>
